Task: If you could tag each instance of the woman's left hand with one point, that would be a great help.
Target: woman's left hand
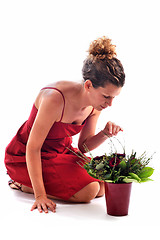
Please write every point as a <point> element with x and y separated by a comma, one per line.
<point>111,129</point>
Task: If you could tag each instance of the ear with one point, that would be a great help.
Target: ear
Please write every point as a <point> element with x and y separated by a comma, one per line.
<point>88,85</point>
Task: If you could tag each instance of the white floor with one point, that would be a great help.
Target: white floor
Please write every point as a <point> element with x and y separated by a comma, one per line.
<point>72,221</point>
<point>77,221</point>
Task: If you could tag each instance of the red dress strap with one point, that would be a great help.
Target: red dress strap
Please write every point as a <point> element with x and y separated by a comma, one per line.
<point>62,96</point>
<point>91,111</point>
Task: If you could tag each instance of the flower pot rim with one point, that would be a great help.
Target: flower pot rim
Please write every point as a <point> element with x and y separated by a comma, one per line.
<point>118,183</point>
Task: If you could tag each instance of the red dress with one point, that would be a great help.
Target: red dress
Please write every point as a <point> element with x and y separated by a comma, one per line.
<point>62,176</point>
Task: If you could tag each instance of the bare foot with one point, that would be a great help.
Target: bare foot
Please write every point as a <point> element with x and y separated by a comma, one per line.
<point>18,186</point>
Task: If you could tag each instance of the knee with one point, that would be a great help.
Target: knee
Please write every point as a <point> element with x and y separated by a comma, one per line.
<point>92,191</point>
<point>87,193</point>
<point>102,190</point>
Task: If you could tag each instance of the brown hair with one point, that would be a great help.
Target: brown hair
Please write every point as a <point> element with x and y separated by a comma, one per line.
<point>101,66</point>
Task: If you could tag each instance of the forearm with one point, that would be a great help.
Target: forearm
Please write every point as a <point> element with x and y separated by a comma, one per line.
<point>93,142</point>
<point>33,160</point>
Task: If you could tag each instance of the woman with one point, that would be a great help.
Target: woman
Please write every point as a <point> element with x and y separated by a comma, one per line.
<point>38,158</point>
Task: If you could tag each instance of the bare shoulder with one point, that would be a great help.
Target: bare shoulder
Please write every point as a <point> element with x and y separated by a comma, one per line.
<point>56,91</point>
<point>49,95</point>
<point>63,85</point>
<point>68,88</point>
<point>53,96</point>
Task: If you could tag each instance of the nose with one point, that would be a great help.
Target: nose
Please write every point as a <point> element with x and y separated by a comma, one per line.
<point>109,102</point>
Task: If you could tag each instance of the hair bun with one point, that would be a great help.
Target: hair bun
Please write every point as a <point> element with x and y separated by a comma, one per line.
<point>101,48</point>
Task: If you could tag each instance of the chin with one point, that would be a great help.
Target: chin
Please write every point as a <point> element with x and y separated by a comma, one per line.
<point>98,108</point>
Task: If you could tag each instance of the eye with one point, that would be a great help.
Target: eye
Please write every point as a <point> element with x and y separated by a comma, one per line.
<point>106,97</point>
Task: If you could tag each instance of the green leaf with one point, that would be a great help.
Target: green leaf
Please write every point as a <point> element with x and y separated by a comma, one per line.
<point>107,176</point>
<point>129,180</point>
<point>92,174</point>
<point>133,161</point>
<point>100,166</point>
<point>110,181</point>
<point>146,180</point>
<point>122,164</point>
<point>146,172</point>
<point>135,176</point>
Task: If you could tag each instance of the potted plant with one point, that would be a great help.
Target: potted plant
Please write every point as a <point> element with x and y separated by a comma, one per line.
<point>118,171</point>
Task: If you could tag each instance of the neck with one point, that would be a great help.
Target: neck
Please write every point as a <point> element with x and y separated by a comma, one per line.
<point>82,96</point>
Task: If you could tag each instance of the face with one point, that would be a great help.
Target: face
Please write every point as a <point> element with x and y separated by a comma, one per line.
<point>102,98</point>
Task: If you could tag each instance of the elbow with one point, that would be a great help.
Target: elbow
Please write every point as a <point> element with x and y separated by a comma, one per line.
<point>83,148</point>
<point>32,149</point>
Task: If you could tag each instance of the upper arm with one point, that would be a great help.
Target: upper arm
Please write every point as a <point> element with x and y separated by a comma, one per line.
<point>50,110</point>
<point>89,128</point>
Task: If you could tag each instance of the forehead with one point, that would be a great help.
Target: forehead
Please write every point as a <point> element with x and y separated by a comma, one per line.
<point>110,90</point>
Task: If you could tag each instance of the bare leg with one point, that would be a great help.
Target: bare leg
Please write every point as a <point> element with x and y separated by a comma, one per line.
<point>102,190</point>
<point>27,189</point>
<point>86,194</point>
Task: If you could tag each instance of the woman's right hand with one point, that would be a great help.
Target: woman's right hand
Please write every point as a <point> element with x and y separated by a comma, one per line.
<point>42,203</point>
<point>111,129</point>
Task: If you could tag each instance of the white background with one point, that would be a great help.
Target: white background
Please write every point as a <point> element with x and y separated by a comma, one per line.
<point>46,41</point>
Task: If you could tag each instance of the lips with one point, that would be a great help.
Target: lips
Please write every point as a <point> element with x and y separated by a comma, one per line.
<point>102,107</point>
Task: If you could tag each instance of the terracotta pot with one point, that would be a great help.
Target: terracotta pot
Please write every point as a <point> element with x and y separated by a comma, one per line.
<point>117,198</point>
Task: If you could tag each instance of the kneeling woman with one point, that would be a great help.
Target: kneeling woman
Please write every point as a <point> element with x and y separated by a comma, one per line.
<point>38,160</point>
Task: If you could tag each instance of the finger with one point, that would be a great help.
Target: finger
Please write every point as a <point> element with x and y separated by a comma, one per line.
<point>34,206</point>
<point>114,129</point>
<point>44,207</point>
<point>110,128</point>
<point>117,129</point>
<point>39,208</point>
<point>52,206</point>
